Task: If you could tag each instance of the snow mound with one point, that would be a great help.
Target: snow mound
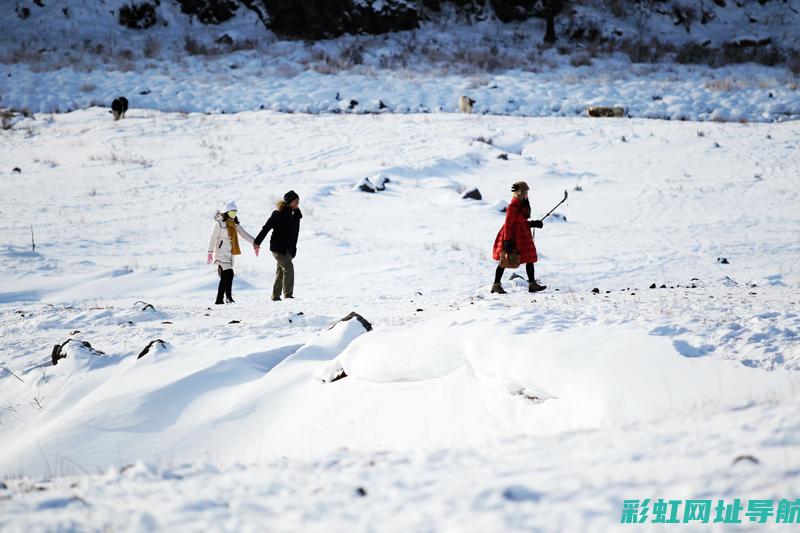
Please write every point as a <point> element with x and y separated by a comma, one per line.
<point>104,404</point>
<point>595,374</point>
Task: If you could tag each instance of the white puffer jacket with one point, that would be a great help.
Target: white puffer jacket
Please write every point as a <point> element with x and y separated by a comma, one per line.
<point>220,243</point>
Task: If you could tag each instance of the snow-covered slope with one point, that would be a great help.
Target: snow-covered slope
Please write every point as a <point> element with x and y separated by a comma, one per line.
<point>52,63</point>
<point>743,93</point>
<point>536,403</point>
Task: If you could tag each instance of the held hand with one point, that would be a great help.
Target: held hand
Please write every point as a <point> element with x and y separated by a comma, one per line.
<point>537,224</point>
<point>256,249</point>
<point>209,258</point>
<point>293,251</point>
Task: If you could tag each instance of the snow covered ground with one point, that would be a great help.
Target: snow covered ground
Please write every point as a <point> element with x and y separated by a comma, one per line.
<point>462,410</point>
<point>746,93</point>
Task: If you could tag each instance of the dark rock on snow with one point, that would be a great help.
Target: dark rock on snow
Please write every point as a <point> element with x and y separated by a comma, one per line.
<point>340,374</point>
<point>472,194</point>
<point>723,260</point>
<point>365,185</point>
<point>145,306</point>
<point>364,321</point>
<point>382,181</point>
<point>58,350</point>
<point>154,344</point>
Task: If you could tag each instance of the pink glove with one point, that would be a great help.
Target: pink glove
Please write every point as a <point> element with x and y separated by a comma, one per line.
<point>256,248</point>
<point>210,258</point>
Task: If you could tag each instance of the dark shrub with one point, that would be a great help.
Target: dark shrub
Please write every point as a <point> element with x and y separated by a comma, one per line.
<point>209,11</point>
<point>138,16</point>
<point>315,19</point>
<point>694,53</point>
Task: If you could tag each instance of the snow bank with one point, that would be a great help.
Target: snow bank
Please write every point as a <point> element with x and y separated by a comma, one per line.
<point>590,375</point>
<point>463,380</point>
<point>679,93</point>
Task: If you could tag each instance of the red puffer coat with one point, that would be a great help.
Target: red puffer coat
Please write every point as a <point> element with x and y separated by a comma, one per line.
<point>516,230</point>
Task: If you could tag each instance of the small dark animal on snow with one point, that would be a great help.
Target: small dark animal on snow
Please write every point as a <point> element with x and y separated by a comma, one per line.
<point>605,111</point>
<point>465,104</point>
<point>118,107</point>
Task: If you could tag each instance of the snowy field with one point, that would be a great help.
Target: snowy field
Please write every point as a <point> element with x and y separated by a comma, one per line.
<point>462,410</point>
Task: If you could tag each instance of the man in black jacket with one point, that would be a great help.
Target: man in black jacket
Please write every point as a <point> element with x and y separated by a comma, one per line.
<point>285,225</point>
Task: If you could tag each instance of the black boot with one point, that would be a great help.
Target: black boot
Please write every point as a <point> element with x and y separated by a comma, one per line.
<point>221,286</point>
<point>228,286</point>
<point>220,291</point>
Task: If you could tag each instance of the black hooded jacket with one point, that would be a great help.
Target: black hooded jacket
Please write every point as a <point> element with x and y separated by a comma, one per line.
<point>285,226</point>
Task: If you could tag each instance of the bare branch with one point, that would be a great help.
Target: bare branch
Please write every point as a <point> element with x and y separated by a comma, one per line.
<point>13,374</point>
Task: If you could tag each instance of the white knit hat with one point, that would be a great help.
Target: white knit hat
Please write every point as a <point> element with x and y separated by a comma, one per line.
<point>230,206</point>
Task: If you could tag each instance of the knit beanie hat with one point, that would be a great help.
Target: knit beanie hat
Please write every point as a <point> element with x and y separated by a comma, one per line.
<point>290,197</point>
<point>230,206</point>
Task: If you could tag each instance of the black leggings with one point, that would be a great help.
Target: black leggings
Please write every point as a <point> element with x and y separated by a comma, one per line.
<point>499,272</point>
<point>225,283</point>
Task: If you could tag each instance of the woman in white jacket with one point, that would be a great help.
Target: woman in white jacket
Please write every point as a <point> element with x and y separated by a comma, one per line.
<point>224,244</point>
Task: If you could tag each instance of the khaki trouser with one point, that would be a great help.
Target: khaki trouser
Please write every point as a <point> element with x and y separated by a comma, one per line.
<point>284,276</point>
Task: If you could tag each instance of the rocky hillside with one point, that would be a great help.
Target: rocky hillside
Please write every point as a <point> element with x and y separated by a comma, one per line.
<point>705,22</point>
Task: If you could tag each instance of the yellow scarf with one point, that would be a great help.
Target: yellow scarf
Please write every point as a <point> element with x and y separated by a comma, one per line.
<point>234,237</point>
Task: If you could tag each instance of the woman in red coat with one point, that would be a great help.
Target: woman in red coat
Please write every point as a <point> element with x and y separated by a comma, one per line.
<point>516,235</point>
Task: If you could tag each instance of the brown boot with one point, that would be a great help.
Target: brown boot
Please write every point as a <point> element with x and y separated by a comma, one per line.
<point>497,288</point>
<point>535,287</point>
